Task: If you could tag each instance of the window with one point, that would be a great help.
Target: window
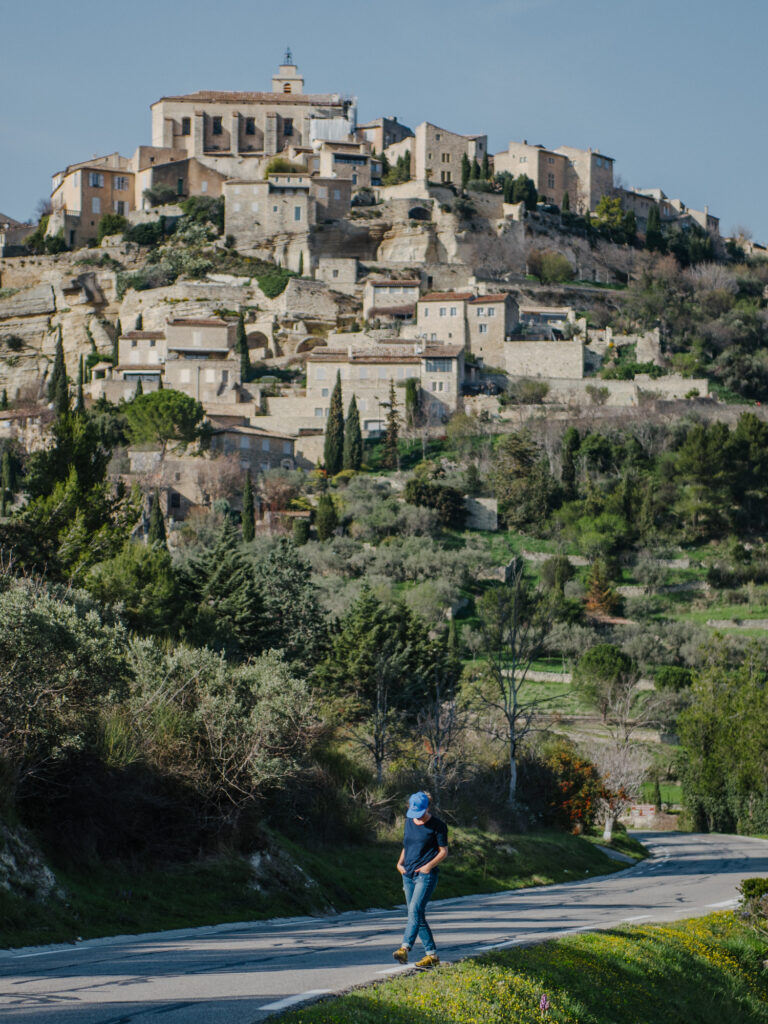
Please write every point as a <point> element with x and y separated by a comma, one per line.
<point>334,273</point>
<point>119,206</point>
<point>96,180</point>
<point>95,204</point>
<point>265,467</point>
<point>550,181</point>
<point>550,159</point>
<point>363,372</point>
<point>265,444</point>
<point>287,448</point>
<point>225,376</point>
<point>322,192</point>
<point>210,376</point>
<point>186,126</point>
<point>481,310</point>
<point>217,126</point>
<point>318,412</point>
<point>443,311</point>
<point>523,159</point>
<point>186,376</point>
<point>203,186</point>
<point>120,183</point>
<point>598,161</point>
<point>320,373</point>
<point>445,158</point>
<point>250,126</point>
<point>134,343</point>
<point>236,207</point>
<point>437,136</point>
<point>337,194</point>
<point>179,186</point>
<point>274,209</point>
<point>152,343</point>
<point>453,311</point>
<point>286,86</point>
<point>175,499</point>
<point>439,365</point>
<point>491,311</point>
<point>245,442</point>
<point>288,126</point>
<point>382,373</point>
<point>297,213</point>
<point>483,329</point>
<point>324,393</point>
<point>426,311</point>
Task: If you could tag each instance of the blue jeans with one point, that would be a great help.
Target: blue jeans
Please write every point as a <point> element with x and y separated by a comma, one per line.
<point>417,893</point>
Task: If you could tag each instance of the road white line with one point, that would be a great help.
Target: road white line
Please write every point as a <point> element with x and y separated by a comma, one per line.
<point>282,1004</point>
<point>48,952</point>
<point>725,903</point>
<point>642,917</point>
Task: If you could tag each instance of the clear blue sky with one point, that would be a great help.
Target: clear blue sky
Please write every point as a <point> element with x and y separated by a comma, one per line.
<point>673,90</point>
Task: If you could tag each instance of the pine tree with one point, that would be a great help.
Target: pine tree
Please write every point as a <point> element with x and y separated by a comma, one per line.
<point>139,388</point>
<point>326,519</point>
<point>601,597</point>
<point>486,168</point>
<point>3,400</point>
<point>156,532</point>
<point>566,203</point>
<point>353,438</point>
<point>116,342</point>
<point>80,401</point>
<point>241,347</point>
<point>59,369</point>
<point>334,431</point>
<point>248,521</point>
<point>139,326</point>
<point>391,453</point>
<point>466,169</point>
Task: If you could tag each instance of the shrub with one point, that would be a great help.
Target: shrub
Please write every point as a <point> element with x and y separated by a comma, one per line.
<point>204,209</point>
<point>673,677</point>
<point>448,502</point>
<point>111,224</point>
<point>160,195</point>
<point>150,233</point>
<point>525,392</point>
<point>273,282</point>
<point>550,267</point>
<point>279,165</point>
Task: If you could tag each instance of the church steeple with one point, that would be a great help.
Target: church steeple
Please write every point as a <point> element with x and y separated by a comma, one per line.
<point>288,78</point>
<point>288,58</point>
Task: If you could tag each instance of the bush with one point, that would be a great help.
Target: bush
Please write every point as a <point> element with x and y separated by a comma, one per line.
<point>448,502</point>
<point>273,282</point>
<point>151,233</point>
<point>204,209</point>
<point>160,195</point>
<point>674,678</point>
<point>111,224</point>
<point>550,267</point>
<point>525,392</point>
<point>279,165</point>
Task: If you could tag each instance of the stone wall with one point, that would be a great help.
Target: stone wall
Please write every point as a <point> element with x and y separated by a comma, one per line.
<point>550,359</point>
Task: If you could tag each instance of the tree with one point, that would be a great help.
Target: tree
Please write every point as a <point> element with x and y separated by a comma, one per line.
<point>550,267</point>
<point>622,767</point>
<point>292,620</point>
<point>466,169</point>
<point>391,452</point>
<point>111,224</point>
<point>515,621</point>
<point>524,191</point>
<point>241,347</point>
<point>333,450</point>
<point>139,323</point>
<point>565,206</point>
<point>602,673</point>
<point>601,596</point>
<point>353,438</point>
<point>142,581</point>
<point>440,718</point>
<point>569,449</point>
<point>59,369</point>
<point>412,402</point>
<point>521,480</point>
<point>485,168</point>
<point>474,171</point>
<point>654,239</point>
<point>116,342</point>
<point>61,396</point>
<point>156,533</point>
<point>248,520</point>
<point>326,519</point>
<point>300,532</point>
<point>139,388</point>
<point>80,401</point>
<point>165,417</point>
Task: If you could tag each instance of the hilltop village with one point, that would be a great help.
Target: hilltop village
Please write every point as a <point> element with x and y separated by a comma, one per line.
<point>267,243</point>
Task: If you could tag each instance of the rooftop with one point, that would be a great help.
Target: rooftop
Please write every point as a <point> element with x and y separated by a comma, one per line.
<point>135,335</point>
<point>279,98</point>
<point>382,282</point>
<point>447,296</point>
<point>201,322</point>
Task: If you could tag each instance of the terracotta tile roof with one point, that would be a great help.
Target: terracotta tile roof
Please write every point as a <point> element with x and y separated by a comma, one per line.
<point>139,367</point>
<point>253,432</point>
<point>407,310</point>
<point>143,334</point>
<point>280,98</point>
<point>193,322</point>
<point>490,298</point>
<point>447,296</point>
<point>373,357</point>
<point>386,282</point>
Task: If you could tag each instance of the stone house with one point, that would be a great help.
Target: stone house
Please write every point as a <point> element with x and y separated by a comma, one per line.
<point>671,211</point>
<point>384,297</point>
<point>187,177</point>
<point>481,324</point>
<point>383,132</point>
<point>82,193</point>
<point>436,154</point>
<point>257,449</point>
<point>547,169</point>
<point>348,160</point>
<point>12,235</point>
<point>590,176</point>
<point>340,272</point>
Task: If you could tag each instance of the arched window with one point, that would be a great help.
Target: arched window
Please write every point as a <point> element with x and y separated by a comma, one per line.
<point>286,86</point>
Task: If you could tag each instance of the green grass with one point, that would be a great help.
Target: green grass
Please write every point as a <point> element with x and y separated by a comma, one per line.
<point>301,880</point>
<point>706,971</point>
<point>671,792</point>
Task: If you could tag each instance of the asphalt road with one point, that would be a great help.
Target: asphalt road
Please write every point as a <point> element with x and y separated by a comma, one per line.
<point>242,973</point>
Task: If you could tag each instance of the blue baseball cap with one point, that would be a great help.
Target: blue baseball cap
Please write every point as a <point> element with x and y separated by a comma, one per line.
<point>418,805</point>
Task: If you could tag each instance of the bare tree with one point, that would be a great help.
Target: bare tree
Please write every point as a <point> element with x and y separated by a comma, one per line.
<point>515,622</point>
<point>623,767</point>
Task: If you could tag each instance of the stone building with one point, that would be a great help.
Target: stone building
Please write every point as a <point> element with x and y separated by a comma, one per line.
<point>349,160</point>
<point>12,235</point>
<point>482,324</point>
<point>671,211</point>
<point>547,169</point>
<point>383,132</point>
<point>257,449</point>
<point>227,130</point>
<point>82,193</point>
<point>590,176</point>
<point>386,297</point>
<point>436,154</point>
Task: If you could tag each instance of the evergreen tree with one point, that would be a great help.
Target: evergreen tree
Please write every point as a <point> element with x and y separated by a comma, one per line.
<point>525,192</point>
<point>353,438</point>
<point>486,168</point>
<point>300,531</point>
<point>569,451</point>
<point>156,532</point>
<point>565,206</point>
<point>7,480</point>
<point>334,431</point>
<point>412,402</point>
<point>508,185</point>
<point>292,620</point>
<point>466,169</point>
<point>391,453</point>
<point>3,400</point>
<point>601,597</point>
<point>654,239</point>
<point>657,794</point>
<point>326,519</point>
<point>61,397</point>
<point>116,342</point>
<point>59,369</point>
<point>139,325</point>
<point>248,522</point>
<point>80,401</point>
<point>139,388</point>
<point>474,171</point>
<point>301,263</point>
<point>241,347</point>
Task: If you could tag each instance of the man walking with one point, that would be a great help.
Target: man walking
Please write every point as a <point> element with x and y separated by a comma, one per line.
<point>425,845</point>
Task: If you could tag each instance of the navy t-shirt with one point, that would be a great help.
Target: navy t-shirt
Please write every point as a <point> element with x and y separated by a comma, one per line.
<point>421,842</point>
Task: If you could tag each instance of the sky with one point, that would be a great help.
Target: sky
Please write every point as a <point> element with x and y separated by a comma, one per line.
<point>674,90</point>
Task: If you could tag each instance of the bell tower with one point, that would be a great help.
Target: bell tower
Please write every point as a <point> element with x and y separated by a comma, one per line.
<point>288,79</point>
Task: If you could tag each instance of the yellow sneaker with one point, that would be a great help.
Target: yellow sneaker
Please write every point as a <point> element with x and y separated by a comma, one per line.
<point>430,960</point>
<point>401,955</point>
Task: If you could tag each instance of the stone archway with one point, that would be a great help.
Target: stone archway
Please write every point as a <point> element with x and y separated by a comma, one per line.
<point>419,213</point>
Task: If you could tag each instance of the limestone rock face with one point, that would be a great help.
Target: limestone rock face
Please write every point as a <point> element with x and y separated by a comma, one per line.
<point>35,301</point>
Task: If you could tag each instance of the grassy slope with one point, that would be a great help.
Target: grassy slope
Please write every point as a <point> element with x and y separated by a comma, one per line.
<point>706,970</point>
<point>109,901</point>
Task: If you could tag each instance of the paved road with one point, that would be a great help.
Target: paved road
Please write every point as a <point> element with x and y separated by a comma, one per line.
<point>241,973</point>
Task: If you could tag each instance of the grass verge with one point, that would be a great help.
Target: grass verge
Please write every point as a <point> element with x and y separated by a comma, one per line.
<point>291,880</point>
<point>706,970</point>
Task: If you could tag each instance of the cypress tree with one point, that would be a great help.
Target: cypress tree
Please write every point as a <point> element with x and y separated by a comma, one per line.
<point>657,795</point>
<point>116,342</point>
<point>486,168</point>
<point>139,388</point>
<point>566,203</point>
<point>80,401</point>
<point>6,481</point>
<point>334,431</point>
<point>569,450</point>
<point>654,239</point>
<point>139,326</point>
<point>301,264</point>
<point>465,170</point>
<point>241,347</point>
<point>353,438</point>
<point>326,519</point>
<point>391,454</point>
<point>3,400</point>
<point>300,532</point>
<point>156,532</point>
<point>59,369</point>
<point>474,171</point>
<point>248,521</point>
<point>61,397</point>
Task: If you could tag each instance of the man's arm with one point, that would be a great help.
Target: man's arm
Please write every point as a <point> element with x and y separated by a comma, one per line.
<point>439,857</point>
<point>401,862</point>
